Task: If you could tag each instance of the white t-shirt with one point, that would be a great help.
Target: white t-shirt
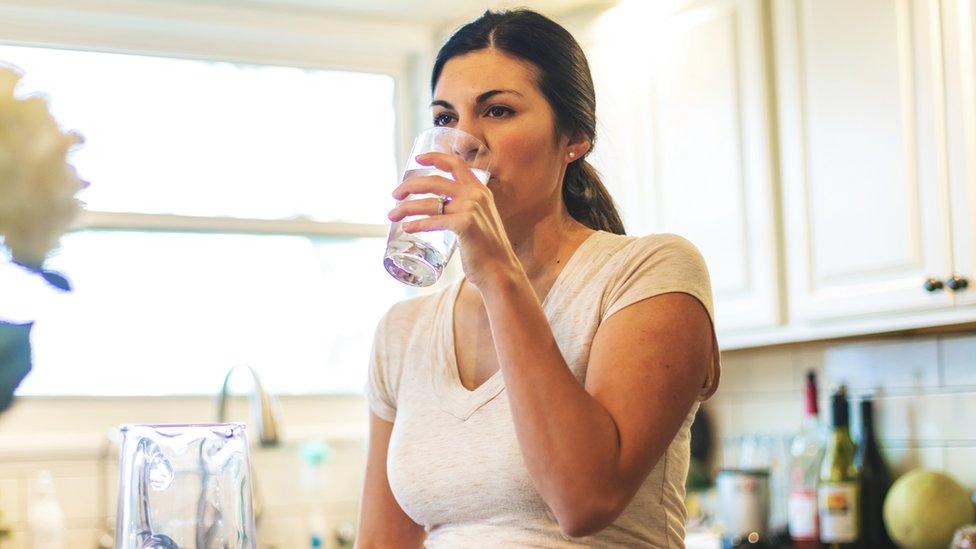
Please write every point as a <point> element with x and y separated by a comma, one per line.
<point>454,463</point>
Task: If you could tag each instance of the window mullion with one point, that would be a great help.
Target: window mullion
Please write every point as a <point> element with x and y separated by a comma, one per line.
<point>200,224</point>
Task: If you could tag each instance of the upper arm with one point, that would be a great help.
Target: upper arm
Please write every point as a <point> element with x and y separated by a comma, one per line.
<point>382,522</point>
<point>647,367</point>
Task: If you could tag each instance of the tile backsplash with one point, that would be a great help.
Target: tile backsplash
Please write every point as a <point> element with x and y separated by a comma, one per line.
<point>924,386</point>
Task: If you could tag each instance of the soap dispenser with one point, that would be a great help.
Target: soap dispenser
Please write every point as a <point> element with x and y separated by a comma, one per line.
<point>45,516</point>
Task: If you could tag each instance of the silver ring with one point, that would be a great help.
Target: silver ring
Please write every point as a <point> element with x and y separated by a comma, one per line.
<point>443,200</point>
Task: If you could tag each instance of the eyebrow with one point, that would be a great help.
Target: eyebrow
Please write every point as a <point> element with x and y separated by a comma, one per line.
<point>478,100</point>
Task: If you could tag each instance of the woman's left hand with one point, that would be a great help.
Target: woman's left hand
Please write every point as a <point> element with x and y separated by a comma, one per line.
<point>486,252</point>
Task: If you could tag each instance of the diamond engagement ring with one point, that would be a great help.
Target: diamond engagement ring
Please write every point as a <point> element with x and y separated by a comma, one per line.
<point>443,199</point>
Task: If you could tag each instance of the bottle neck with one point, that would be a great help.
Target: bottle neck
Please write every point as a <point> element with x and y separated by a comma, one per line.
<point>840,417</point>
<point>867,429</point>
<point>812,411</point>
<point>811,396</point>
<point>841,439</point>
<point>867,423</point>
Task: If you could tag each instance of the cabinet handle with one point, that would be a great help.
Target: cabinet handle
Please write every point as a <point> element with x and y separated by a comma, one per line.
<point>932,284</point>
<point>957,282</point>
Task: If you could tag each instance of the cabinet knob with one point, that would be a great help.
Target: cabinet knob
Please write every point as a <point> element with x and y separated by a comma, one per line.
<point>932,284</point>
<point>957,282</point>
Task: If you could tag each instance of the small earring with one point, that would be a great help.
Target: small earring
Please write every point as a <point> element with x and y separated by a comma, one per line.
<point>572,155</point>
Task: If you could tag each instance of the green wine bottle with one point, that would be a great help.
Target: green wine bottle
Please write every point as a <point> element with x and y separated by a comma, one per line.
<point>838,494</point>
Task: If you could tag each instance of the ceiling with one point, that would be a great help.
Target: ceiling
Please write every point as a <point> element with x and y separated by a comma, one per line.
<point>435,13</point>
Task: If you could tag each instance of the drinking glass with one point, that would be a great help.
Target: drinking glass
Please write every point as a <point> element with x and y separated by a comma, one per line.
<point>419,259</point>
<point>184,486</point>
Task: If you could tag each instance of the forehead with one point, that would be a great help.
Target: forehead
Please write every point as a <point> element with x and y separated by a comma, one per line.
<point>481,70</point>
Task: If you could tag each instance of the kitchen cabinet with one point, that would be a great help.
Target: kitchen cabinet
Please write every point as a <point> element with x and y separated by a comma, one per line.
<point>820,153</point>
<point>959,46</point>
<point>862,150</point>
<point>710,162</point>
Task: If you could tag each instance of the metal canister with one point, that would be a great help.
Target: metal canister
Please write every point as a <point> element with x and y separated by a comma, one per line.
<point>743,501</point>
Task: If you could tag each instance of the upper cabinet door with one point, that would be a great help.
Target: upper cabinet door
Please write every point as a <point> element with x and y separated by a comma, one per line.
<point>710,161</point>
<point>862,143</point>
<point>959,39</point>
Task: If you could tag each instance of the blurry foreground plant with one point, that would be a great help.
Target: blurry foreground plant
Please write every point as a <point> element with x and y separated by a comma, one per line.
<point>37,204</point>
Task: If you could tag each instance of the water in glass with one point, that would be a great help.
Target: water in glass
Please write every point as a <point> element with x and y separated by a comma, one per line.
<point>419,259</point>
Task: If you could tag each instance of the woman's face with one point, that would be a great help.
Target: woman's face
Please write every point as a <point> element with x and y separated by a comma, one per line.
<point>495,98</point>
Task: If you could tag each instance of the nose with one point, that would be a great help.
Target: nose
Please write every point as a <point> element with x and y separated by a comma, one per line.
<point>468,148</point>
<point>471,128</point>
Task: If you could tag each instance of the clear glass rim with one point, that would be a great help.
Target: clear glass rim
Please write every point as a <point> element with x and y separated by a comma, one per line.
<point>458,136</point>
<point>232,424</point>
<point>448,129</point>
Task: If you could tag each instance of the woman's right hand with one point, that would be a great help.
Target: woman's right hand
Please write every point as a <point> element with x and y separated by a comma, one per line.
<point>487,255</point>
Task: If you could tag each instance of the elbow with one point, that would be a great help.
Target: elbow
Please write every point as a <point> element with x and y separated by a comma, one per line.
<point>587,519</point>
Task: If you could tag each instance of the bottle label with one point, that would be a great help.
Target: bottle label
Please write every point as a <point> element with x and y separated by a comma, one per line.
<point>837,502</point>
<point>802,509</point>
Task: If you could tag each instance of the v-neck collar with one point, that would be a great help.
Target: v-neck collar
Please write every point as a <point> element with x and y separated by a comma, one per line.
<point>445,378</point>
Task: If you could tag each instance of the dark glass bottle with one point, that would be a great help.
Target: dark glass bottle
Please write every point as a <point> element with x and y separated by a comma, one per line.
<point>875,481</point>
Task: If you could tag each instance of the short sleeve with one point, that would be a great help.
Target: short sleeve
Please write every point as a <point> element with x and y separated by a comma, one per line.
<point>380,391</point>
<point>661,264</point>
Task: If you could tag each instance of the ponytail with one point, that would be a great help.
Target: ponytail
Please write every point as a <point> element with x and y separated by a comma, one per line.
<point>588,200</point>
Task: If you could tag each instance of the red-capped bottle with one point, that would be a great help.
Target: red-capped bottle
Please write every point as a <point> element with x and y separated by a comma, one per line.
<point>806,455</point>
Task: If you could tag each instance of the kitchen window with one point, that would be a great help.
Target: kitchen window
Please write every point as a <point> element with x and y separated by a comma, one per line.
<point>236,215</point>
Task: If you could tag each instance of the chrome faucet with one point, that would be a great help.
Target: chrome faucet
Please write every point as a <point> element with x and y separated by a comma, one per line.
<point>264,408</point>
<point>264,417</point>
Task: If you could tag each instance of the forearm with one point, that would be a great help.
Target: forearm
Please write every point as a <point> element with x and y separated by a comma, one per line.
<point>569,441</point>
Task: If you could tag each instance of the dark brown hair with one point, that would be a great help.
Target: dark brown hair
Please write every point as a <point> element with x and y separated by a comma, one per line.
<point>564,79</point>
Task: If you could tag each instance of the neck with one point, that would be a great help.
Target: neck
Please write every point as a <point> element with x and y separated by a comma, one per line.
<point>544,245</point>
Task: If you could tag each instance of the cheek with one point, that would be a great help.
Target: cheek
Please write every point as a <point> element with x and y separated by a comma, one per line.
<point>521,155</point>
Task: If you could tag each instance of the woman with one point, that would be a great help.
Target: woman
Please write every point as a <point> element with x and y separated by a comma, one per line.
<point>545,399</point>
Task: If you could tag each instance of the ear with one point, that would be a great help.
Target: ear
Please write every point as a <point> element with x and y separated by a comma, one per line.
<point>576,147</point>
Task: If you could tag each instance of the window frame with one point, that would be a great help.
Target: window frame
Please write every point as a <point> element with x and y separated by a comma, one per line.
<point>248,35</point>
<point>220,31</point>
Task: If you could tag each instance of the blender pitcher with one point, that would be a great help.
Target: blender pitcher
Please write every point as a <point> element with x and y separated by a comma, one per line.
<point>184,486</point>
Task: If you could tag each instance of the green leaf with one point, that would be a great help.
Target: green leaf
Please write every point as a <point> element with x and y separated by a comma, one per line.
<point>15,359</point>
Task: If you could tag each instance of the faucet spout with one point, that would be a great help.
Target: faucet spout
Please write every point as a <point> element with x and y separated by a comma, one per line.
<point>264,408</point>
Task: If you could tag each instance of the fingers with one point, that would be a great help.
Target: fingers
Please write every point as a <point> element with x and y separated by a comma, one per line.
<point>464,178</point>
<point>443,161</point>
<point>428,184</point>
<point>450,222</point>
<point>469,198</point>
<point>451,163</point>
<point>420,206</point>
